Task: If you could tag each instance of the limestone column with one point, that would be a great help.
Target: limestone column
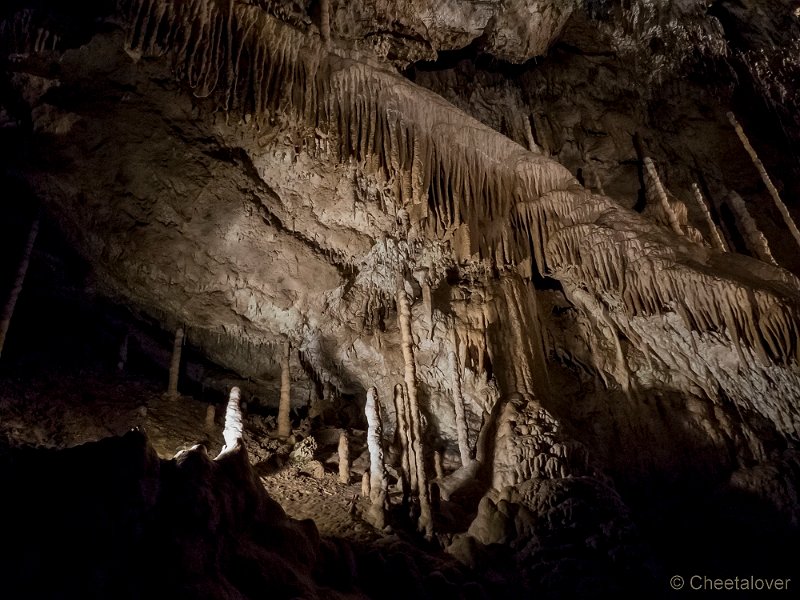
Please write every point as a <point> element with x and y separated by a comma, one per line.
<point>22,270</point>
<point>175,365</point>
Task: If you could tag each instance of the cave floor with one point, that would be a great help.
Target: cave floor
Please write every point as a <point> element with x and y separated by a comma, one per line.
<point>57,410</point>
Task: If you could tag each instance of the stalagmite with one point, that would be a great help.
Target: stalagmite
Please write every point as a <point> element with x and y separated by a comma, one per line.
<point>438,465</point>
<point>756,241</point>
<point>401,434</point>
<point>344,458</point>
<point>716,236</point>
<point>284,424</point>
<point>377,475</point>
<point>365,484</point>
<point>458,400</point>
<point>410,377</point>
<point>233,419</point>
<point>773,191</point>
<point>532,145</point>
<point>175,365</point>
<point>211,414</point>
<point>662,196</point>
<point>8,309</point>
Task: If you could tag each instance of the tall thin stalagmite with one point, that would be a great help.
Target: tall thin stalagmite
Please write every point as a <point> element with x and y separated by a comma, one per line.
<point>211,415</point>
<point>344,457</point>
<point>773,191</point>
<point>402,439</point>
<point>716,236</point>
<point>410,377</point>
<point>284,424</point>
<point>458,400</point>
<point>377,475</point>
<point>11,302</point>
<point>234,425</point>
<point>755,240</point>
<point>175,365</point>
<point>662,196</point>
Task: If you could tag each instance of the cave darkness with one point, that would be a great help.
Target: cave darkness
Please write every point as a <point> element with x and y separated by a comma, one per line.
<point>420,299</point>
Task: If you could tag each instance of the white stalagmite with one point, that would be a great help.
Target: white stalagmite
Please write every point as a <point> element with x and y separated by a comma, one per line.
<point>11,302</point>
<point>233,419</point>
<point>662,196</point>
<point>377,475</point>
<point>716,236</point>
<point>458,400</point>
<point>344,458</point>
<point>756,241</point>
<point>773,191</point>
<point>175,365</point>
<point>410,376</point>
<point>284,424</point>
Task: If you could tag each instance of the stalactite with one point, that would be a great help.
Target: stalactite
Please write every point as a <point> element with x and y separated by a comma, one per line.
<point>377,475</point>
<point>464,172</point>
<point>716,237</point>
<point>773,191</point>
<point>410,377</point>
<point>284,423</point>
<point>756,241</point>
<point>662,196</point>
<point>234,426</point>
<point>344,457</point>
<point>458,400</point>
<point>175,365</point>
<point>16,288</point>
